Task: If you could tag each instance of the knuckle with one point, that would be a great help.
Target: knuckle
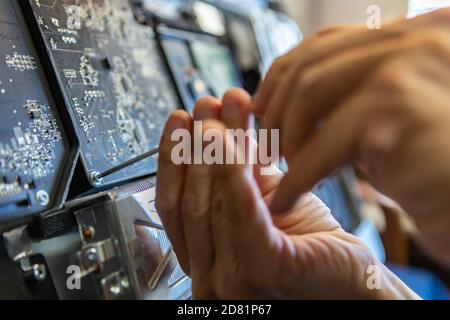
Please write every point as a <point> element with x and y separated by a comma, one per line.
<point>195,205</point>
<point>440,16</point>
<point>392,78</point>
<point>308,82</point>
<point>436,41</point>
<point>217,208</point>
<point>372,145</point>
<point>279,63</point>
<point>278,67</point>
<point>300,78</point>
<point>380,135</point>
<point>164,207</point>
<point>189,206</point>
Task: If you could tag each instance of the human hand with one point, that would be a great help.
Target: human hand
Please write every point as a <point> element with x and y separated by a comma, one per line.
<point>378,99</point>
<point>226,239</point>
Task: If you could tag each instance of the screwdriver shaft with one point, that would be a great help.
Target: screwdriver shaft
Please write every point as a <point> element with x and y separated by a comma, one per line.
<point>127,164</point>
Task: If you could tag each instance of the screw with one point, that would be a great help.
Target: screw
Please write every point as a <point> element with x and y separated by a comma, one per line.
<point>96,181</point>
<point>124,283</point>
<point>39,272</point>
<point>115,289</point>
<point>91,254</point>
<point>42,198</point>
<point>88,232</point>
<point>90,257</point>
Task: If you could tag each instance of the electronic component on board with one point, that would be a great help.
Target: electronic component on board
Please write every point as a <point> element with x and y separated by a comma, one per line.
<point>115,83</point>
<point>35,155</point>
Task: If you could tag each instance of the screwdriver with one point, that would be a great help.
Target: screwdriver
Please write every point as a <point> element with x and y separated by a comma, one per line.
<point>97,177</point>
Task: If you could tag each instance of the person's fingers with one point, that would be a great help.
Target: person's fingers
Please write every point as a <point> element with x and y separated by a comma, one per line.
<point>278,97</point>
<point>269,83</point>
<point>240,219</point>
<point>196,206</point>
<point>207,108</point>
<point>236,114</point>
<point>310,52</point>
<point>328,149</point>
<point>277,104</point>
<point>367,126</point>
<point>283,64</point>
<point>320,48</point>
<point>170,185</point>
<point>236,109</point>
<point>325,86</point>
<point>284,93</point>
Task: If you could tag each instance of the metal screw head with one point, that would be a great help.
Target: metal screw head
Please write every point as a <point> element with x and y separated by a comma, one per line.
<point>124,283</point>
<point>90,257</point>
<point>39,272</point>
<point>115,289</point>
<point>96,181</point>
<point>42,198</point>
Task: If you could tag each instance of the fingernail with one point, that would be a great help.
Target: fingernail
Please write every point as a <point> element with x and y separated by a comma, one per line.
<point>231,110</point>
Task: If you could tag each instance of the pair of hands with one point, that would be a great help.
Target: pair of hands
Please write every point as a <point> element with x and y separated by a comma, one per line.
<point>372,98</point>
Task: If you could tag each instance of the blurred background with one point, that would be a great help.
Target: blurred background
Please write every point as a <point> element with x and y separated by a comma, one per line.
<point>313,15</point>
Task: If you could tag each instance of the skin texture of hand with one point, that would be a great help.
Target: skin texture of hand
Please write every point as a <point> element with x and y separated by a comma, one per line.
<point>375,98</point>
<point>226,239</point>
